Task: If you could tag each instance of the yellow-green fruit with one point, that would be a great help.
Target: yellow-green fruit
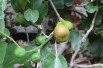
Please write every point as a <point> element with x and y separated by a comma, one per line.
<point>68,24</point>
<point>61,32</point>
<point>21,20</point>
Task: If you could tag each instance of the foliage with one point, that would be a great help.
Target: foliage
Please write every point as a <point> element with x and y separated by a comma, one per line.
<point>35,12</point>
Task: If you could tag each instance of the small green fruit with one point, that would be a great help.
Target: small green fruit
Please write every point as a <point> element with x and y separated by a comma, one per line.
<point>35,57</point>
<point>67,23</point>
<point>40,39</point>
<point>21,20</point>
<point>19,52</point>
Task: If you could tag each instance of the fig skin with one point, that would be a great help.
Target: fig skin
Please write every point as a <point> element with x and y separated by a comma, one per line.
<point>19,52</point>
<point>35,57</point>
<point>40,39</point>
<point>61,32</point>
<point>68,24</point>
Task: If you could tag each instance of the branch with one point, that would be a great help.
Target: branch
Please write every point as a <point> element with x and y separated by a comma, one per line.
<point>45,42</point>
<point>82,40</point>
<point>88,66</point>
<point>10,38</point>
<point>27,36</point>
<point>56,12</point>
<point>41,44</point>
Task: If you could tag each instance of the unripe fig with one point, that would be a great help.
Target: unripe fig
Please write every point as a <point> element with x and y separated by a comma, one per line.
<point>35,57</point>
<point>40,39</point>
<point>19,52</point>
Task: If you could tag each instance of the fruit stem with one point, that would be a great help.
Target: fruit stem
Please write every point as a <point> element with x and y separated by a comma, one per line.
<point>9,38</point>
<point>51,33</point>
<point>56,51</point>
<point>27,35</point>
<point>44,34</point>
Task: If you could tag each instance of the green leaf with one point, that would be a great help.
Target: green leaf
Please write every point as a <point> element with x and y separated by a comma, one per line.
<point>35,3</point>
<point>6,31</point>
<point>45,50</point>
<point>2,25</point>
<point>31,15</point>
<point>15,5</point>
<point>59,4</point>
<point>75,38</point>
<point>21,20</point>
<point>99,17</point>
<point>87,22</point>
<point>84,45</point>
<point>96,47</point>
<point>22,3</point>
<point>68,3</point>
<point>99,30</point>
<point>3,46</point>
<point>3,5</point>
<point>52,61</point>
<point>2,14</point>
<point>43,10</point>
<point>98,21</point>
<point>11,59</point>
<point>90,8</point>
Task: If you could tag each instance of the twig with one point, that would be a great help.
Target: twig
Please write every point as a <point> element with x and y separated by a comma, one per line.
<point>82,40</point>
<point>88,66</point>
<point>27,35</point>
<point>36,26</point>
<point>56,48</point>
<point>10,38</point>
<point>56,12</point>
<point>42,44</point>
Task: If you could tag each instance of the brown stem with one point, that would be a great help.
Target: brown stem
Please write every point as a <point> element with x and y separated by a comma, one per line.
<point>55,10</point>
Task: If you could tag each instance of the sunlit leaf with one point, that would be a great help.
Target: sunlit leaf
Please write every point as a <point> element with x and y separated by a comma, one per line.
<point>31,15</point>
<point>52,61</point>
<point>3,5</point>
<point>3,46</point>
<point>75,38</point>
<point>90,8</point>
